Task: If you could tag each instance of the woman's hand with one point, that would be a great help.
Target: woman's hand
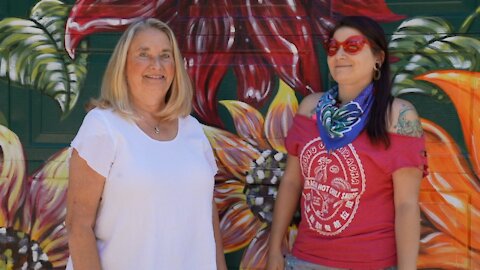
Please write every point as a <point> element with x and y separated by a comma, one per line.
<point>275,260</point>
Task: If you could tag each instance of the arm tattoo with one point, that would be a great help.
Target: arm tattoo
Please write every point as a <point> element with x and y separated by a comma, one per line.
<point>408,127</point>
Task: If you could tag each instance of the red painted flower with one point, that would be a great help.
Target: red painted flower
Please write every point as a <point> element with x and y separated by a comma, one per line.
<point>257,39</point>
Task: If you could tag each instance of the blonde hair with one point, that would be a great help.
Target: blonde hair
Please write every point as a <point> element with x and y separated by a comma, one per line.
<point>114,91</point>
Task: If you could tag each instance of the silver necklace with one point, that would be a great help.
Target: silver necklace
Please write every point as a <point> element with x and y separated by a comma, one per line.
<point>156,129</point>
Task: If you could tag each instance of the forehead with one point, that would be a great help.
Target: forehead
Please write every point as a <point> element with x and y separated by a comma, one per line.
<point>150,38</point>
<point>343,33</point>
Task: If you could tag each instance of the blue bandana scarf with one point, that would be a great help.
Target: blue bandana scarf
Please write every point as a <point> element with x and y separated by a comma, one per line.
<point>339,126</point>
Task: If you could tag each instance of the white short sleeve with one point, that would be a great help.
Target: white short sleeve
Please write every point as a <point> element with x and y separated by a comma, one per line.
<point>94,143</point>
<point>209,156</point>
<point>207,148</point>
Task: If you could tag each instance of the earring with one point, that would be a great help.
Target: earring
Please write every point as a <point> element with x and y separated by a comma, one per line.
<point>377,73</point>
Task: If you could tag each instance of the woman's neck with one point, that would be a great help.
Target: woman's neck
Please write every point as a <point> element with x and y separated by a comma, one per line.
<point>347,93</point>
<point>145,108</point>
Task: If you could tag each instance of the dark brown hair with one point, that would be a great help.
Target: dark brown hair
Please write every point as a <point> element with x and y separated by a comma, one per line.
<point>377,126</point>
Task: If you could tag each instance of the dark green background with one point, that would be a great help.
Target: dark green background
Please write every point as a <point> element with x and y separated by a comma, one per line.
<point>36,118</point>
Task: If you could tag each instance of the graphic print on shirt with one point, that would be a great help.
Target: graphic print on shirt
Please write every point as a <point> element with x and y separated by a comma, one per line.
<point>334,184</point>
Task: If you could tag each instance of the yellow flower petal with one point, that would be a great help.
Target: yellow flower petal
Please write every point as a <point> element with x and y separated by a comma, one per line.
<point>291,236</point>
<point>234,153</point>
<point>56,247</point>
<point>462,88</point>
<point>47,196</point>
<point>228,193</point>
<point>222,173</point>
<point>280,116</point>
<point>12,178</point>
<point>248,122</point>
<point>255,257</point>
<point>238,227</point>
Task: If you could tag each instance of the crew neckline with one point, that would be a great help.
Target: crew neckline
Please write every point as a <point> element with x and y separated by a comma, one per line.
<point>179,122</point>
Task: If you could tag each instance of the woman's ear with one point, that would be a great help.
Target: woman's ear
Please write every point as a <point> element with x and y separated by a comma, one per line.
<point>381,58</point>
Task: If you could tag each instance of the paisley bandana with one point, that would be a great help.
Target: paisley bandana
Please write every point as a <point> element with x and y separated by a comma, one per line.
<point>339,126</point>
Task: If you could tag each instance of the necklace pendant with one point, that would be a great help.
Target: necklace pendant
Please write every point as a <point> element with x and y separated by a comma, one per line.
<point>157,130</point>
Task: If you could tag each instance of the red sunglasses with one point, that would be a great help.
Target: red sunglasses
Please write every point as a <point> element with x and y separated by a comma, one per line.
<point>351,45</point>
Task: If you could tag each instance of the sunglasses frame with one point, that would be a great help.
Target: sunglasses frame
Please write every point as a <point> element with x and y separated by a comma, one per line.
<point>358,40</point>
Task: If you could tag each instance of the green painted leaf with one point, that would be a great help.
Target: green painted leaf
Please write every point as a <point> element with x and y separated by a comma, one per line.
<point>3,120</point>
<point>32,54</point>
<point>469,21</point>
<point>426,44</point>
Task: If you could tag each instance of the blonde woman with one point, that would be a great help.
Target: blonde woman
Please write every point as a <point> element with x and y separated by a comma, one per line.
<point>142,170</point>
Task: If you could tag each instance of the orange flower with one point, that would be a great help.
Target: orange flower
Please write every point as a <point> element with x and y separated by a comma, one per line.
<point>32,210</point>
<point>450,197</point>
<point>462,88</point>
<point>251,164</point>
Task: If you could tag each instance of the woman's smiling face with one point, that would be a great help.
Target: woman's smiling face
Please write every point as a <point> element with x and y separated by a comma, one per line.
<point>351,68</point>
<point>150,67</point>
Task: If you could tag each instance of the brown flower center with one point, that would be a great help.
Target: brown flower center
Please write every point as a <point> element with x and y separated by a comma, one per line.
<point>18,251</point>
<point>262,183</point>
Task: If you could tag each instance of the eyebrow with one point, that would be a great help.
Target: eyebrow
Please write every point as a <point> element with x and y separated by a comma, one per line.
<point>148,49</point>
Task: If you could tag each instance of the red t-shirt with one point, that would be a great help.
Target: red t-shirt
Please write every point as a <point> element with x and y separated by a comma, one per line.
<point>347,206</point>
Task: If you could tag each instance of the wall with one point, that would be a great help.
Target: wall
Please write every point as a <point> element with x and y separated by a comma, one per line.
<point>251,63</point>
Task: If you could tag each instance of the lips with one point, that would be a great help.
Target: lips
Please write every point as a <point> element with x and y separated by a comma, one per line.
<point>155,77</point>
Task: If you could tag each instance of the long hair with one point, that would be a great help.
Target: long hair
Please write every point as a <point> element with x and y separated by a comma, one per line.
<point>114,91</point>
<point>377,125</point>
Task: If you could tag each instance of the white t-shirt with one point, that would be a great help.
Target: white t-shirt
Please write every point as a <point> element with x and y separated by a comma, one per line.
<point>156,207</point>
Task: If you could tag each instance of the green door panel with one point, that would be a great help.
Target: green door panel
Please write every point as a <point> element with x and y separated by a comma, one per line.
<point>43,129</point>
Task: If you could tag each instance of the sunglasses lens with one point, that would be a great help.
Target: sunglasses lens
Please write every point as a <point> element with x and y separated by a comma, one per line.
<point>332,48</point>
<point>353,46</point>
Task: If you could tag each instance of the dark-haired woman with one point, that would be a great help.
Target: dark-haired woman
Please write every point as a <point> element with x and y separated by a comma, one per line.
<point>356,159</point>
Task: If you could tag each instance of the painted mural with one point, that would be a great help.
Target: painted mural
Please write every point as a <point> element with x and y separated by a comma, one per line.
<point>272,52</point>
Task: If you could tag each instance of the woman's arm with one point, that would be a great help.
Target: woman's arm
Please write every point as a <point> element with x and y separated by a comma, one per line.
<point>285,207</point>
<point>288,195</point>
<point>221,264</point>
<point>83,197</point>
<point>406,185</point>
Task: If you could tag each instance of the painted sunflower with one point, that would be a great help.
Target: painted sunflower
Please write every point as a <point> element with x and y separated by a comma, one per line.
<point>32,209</point>
<point>250,167</point>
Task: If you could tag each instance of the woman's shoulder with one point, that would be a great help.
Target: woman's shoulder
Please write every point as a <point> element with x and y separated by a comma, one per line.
<point>105,119</point>
<point>190,122</point>
<point>308,104</point>
<point>99,112</point>
<point>94,115</point>
<point>404,119</point>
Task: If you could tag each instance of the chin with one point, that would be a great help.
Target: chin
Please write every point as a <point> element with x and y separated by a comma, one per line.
<point>342,79</point>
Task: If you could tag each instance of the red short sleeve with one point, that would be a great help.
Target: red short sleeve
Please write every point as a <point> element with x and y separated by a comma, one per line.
<point>408,152</point>
<point>295,136</point>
